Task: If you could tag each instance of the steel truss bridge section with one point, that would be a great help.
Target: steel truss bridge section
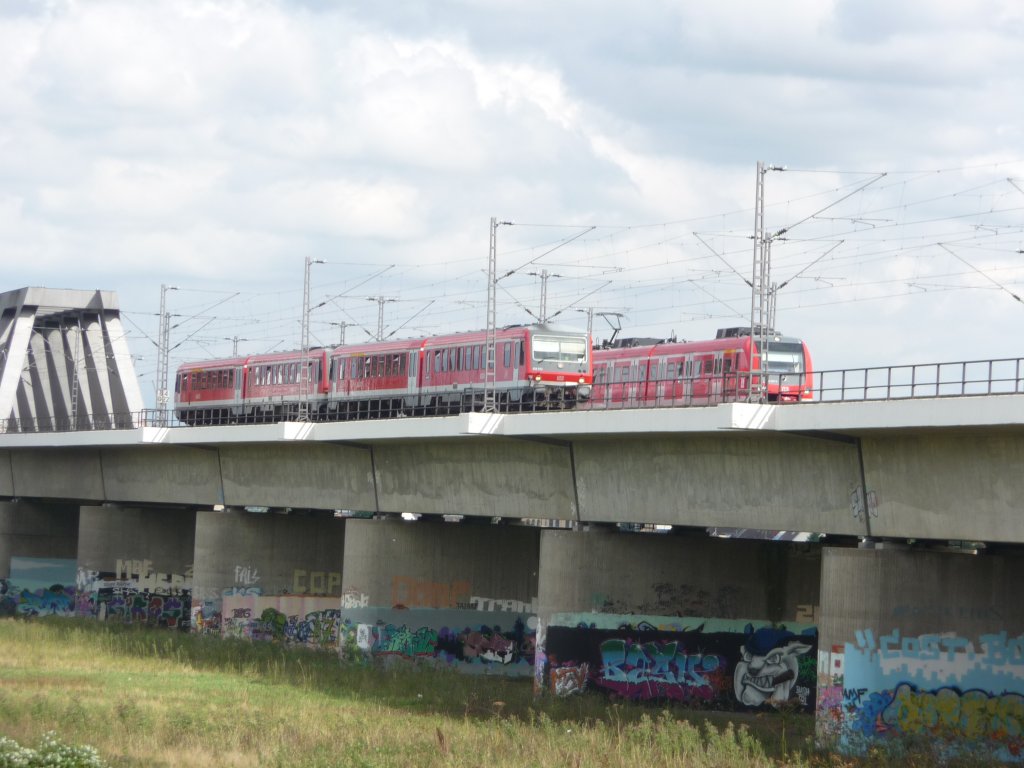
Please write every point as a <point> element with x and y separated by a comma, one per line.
<point>64,362</point>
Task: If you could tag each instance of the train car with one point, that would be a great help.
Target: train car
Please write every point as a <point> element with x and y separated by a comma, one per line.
<point>669,373</point>
<point>254,389</point>
<point>536,367</point>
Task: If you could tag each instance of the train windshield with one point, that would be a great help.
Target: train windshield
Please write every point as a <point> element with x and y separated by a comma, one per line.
<point>784,357</point>
<point>563,349</point>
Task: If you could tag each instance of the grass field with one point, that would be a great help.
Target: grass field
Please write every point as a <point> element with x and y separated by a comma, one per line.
<point>162,698</point>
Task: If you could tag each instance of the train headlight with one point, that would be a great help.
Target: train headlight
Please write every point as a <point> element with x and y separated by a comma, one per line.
<point>537,377</point>
<point>582,380</point>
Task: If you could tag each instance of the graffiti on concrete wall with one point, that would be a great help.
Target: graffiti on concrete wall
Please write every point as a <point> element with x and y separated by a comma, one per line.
<point>408,592</point>
<point>38,586</point>
<point>955,692</point>
<point>208,616</point>
<point>310,621</point>
<point>667,599</point>
<point>135,593</point>
<point>465,639</point>
<point>315,582</point>
<point>724,665</point>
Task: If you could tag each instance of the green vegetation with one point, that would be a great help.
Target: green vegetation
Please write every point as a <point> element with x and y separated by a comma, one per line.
<point>161,698</point>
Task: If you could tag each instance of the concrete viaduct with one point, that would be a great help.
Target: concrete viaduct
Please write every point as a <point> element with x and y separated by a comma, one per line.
<point>900,617</point>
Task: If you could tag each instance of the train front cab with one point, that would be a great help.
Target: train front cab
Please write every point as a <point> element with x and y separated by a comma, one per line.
<point>559,369</point>
<point>789,377</point>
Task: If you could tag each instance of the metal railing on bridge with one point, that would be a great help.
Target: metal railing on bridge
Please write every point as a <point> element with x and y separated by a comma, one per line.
<point>895,382</point>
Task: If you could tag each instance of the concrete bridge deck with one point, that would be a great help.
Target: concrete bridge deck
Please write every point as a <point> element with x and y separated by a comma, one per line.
<point>941,468</point>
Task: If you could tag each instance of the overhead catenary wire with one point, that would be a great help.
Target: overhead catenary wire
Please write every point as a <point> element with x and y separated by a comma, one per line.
<point>899,220</point>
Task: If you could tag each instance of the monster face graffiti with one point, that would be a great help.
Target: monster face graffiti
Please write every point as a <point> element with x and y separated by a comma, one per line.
<point>769,666</point>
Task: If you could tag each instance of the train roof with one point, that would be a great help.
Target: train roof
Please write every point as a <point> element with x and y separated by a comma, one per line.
<point>371,347</point>
<point>268,357</point>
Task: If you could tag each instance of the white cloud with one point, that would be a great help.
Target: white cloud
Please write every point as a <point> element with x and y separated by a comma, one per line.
<point>217,144</point>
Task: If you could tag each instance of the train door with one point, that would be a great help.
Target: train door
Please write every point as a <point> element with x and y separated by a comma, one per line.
<point>656,384</point>
<point>717,381</point>
<point>603,383</point>
<point>412,372</point>
<point>701,372</point>
<point>516,354</point>
<point>673,381</point>
<point>633,383</point>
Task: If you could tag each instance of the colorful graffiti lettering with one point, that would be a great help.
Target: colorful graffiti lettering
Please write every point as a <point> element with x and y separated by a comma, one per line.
<point>290,620</point>
<point>728,669</point>
<point>166,601</point>
<point>939,686</point>
<point>444,638</point>
<point>656,670</point>
<point>53,601</point>
<point>403,641</point>
<point>38,586</point>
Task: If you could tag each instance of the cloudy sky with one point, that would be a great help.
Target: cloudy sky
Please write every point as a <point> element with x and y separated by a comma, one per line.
<point>215,146</point>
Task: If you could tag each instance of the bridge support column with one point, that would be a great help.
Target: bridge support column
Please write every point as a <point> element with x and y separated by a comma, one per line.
<point>268,576</point>
<point>921,649</point>
<point>718,623</point>
<point>460,594</point>
<point>38,551</point>
<point>135,564</point>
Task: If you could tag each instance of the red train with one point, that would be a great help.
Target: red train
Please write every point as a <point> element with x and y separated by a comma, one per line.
<point>536,367</point>
<point>669,373</point>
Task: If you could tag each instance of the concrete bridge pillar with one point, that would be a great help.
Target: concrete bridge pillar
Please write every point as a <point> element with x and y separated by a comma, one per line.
<point>38,551</point>
<point>455,594</point>
<point>716,623</point>
<point>922,648</point>
<point>268,576</point>
<point>135,564</point>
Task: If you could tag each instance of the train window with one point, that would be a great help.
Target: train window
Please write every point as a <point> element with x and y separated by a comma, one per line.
<point>508,354</point>
<point>521,350</point>
<point>728,364</point>
<point>476,357</point>
<point>437,361</point>
<point>718,365</point>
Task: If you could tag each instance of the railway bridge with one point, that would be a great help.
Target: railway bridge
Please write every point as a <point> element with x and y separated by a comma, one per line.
<point>861,561</point>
